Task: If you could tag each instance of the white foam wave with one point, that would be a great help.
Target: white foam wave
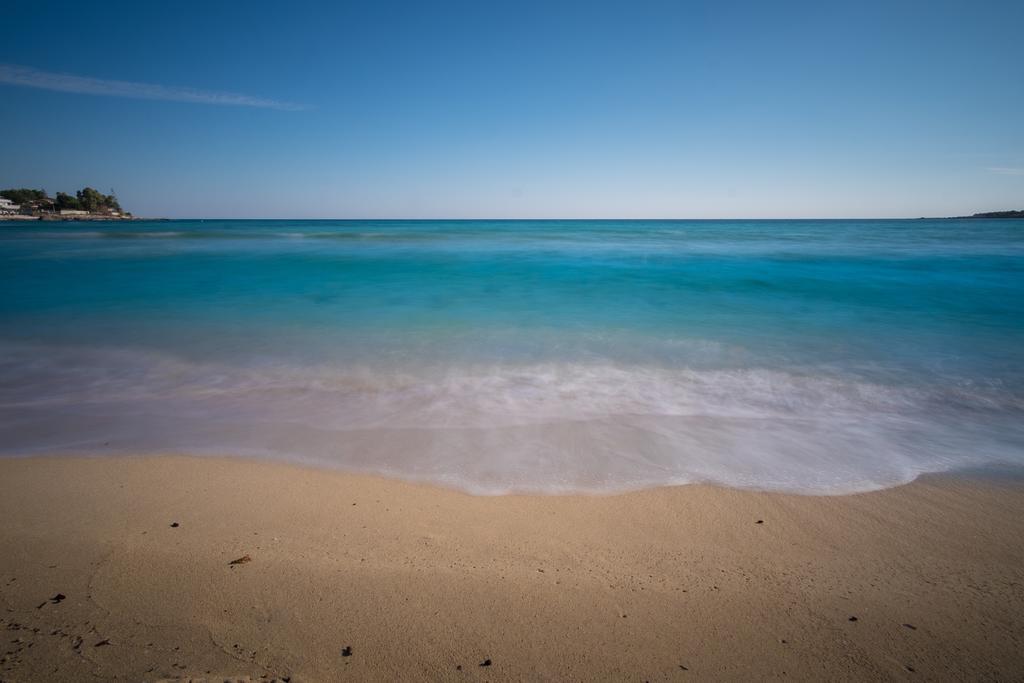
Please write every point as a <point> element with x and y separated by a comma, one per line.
<point>547,427</point>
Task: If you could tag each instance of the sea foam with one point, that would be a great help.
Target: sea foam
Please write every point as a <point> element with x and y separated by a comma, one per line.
<point>543,428</point>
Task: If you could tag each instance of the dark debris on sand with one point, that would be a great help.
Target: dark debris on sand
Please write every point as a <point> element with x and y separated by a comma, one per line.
<point>53,601</point>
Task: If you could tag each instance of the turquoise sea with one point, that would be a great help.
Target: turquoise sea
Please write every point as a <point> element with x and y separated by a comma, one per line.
<point>539,356</point>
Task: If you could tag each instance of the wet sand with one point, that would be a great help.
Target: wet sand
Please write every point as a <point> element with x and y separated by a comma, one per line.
<point>122,569</point>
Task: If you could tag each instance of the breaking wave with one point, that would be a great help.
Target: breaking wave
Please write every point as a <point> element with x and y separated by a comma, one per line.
<point>542,428</point>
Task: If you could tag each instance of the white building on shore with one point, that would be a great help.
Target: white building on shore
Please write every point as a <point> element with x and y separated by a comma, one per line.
<point>7,206</point>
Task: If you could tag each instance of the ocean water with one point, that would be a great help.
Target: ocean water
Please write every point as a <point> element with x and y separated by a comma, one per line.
<point>524,356</point>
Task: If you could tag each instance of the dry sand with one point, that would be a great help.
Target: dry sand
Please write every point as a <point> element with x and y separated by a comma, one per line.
<point>422,583</point>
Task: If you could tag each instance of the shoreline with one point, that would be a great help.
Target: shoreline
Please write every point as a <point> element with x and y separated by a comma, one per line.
<point>78,219</point>
<point>426,582</point>
<point>996,476</point>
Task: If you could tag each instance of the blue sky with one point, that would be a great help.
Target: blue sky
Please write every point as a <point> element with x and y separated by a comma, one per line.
<point>518,109</point>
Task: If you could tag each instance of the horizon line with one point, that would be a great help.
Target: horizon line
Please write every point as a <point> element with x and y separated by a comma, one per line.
<point>613,218</point>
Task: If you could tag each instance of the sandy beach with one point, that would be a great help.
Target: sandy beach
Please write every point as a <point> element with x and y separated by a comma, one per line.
<point>157,568</point>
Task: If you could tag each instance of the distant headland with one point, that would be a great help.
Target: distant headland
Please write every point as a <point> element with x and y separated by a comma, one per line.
<point>995,214</point>
<point>86,204</point>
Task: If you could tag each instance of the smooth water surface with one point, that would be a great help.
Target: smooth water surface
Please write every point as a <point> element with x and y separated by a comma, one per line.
<point>542,356</point>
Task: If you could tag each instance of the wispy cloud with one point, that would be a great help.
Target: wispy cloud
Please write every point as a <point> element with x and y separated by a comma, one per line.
<point>33,78</point>
<point>1005,170</point>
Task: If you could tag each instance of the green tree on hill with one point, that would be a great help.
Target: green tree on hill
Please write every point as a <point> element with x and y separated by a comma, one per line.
<point>23,195</point>
<point>66,201</point>
<point>93,200</point>
<point>89,199</point>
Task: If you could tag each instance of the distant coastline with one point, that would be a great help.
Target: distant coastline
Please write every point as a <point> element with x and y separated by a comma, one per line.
<point>56,218</point>
<point>994,214</point>
<point>87,204</point>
